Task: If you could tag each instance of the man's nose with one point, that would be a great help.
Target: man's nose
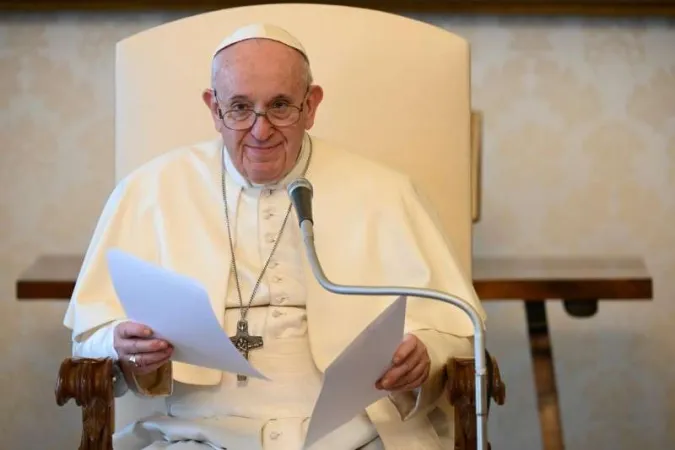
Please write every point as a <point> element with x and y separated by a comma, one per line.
<point>262,128</point>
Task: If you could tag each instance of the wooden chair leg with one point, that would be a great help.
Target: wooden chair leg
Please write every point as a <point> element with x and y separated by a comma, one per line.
<point>90,383</point>
<point>462,395</point>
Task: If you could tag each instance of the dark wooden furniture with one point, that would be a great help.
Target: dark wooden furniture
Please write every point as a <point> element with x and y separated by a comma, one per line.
<point>90,383</point>
<point>579,282</point>
<point>50,277</point>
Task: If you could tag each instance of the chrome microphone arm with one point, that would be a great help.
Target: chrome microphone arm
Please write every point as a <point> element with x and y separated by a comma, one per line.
<point>301,200</point>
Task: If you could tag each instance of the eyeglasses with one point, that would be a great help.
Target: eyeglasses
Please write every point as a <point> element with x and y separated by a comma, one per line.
<point>280,115</point>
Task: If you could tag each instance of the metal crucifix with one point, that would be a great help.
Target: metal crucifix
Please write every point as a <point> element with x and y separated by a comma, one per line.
<point>245,342</point>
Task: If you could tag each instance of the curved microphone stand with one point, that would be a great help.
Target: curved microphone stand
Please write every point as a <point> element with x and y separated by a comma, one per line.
<point>300,191</point>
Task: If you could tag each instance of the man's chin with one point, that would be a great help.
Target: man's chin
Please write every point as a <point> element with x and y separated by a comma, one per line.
<point>265,179</point>
<point>258,175</point>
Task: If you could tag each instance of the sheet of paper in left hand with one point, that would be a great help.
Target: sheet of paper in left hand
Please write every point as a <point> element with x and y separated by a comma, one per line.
<point>349,382</point>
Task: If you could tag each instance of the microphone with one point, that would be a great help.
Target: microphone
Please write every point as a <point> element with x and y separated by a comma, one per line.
<point>300,191</point>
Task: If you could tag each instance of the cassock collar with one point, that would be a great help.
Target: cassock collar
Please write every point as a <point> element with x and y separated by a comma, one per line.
<point>297,171</point>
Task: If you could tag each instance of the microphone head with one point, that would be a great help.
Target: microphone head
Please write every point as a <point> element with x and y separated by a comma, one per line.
<point>297,184</point>
<point>300,191</point>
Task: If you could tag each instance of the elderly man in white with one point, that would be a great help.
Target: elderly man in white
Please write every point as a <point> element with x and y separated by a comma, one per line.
<point>218,211</point>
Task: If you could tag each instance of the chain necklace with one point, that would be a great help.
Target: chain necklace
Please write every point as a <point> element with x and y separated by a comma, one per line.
<point>242,340</point>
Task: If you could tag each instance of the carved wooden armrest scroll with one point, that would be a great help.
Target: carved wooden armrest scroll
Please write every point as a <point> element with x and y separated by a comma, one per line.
<point>462,395</point>
<point>90,383</point>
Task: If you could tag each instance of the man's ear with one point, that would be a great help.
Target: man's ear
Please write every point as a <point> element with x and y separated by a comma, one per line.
<point>314,98</point>
<point>209,99</point>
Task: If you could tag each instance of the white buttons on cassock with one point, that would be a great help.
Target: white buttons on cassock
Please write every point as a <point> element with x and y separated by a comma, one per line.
<point>271,238</point>
<point>276,313</point>
<point>275,434</point>
<point>272,264</point>
<point>277,279</point>
<point>268,212</point>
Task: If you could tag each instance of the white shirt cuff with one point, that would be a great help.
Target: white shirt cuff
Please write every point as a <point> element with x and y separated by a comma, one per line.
<point>100,344</point>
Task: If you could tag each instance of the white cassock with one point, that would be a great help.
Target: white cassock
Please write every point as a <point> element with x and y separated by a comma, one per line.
<point>370,229</point>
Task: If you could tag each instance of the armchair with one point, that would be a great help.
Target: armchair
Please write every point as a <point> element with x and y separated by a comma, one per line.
<point>396,89</point>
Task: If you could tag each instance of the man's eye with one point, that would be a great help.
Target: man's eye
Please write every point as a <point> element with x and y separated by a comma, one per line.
<point>279,105</point>
<point>239,107</point>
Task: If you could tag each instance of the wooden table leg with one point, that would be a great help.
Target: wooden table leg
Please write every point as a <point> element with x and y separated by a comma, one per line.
<point>544,375</point>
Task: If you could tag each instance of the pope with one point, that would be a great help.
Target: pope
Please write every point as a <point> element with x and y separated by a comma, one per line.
<point>218,211</point>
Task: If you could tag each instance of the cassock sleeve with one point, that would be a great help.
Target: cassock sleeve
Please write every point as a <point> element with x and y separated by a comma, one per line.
<point>126,223</point>
<point>447,276</point>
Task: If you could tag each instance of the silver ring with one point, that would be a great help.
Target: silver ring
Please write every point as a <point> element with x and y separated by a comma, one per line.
<point>132,360</point>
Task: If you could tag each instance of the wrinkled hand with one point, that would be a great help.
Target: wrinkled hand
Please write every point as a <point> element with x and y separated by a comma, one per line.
<point>410,368</point>
<point>134,339</point>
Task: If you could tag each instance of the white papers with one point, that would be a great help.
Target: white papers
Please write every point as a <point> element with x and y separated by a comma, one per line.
<point>349,382</point>
<point>177,309</point>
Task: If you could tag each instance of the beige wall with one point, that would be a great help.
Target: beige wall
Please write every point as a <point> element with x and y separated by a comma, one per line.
<point>579,158</point>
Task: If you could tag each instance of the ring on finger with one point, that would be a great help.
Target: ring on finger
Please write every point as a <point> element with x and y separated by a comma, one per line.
<point>133,360</point>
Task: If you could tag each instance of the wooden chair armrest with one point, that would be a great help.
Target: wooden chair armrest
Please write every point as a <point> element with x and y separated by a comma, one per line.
<point>461,388</point>
<point>90,383</point>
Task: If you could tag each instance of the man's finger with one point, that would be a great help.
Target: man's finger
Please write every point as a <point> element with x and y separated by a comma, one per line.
<point>406,347</point>
<point>412,375</point>
<point>148,359</point>
<point>127,330</point>
<point>134,346</point>
<point>416,382</point>
<point>393,375</point>
<point>145,360</point>
<point>152,367</point>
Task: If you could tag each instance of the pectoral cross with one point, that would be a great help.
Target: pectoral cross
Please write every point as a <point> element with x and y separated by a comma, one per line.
<point>245,342</point>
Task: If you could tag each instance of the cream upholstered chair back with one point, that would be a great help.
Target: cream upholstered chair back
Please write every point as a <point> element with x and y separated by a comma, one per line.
<point>395,89</point>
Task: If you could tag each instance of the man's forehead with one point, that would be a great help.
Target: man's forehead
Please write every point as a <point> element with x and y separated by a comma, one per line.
<point>258,78</point>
